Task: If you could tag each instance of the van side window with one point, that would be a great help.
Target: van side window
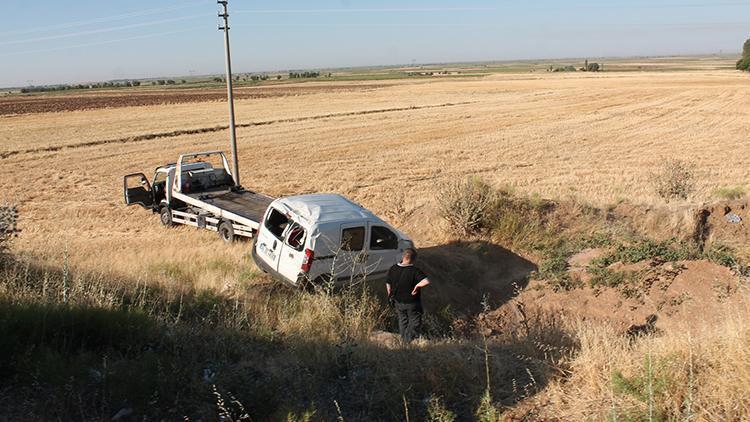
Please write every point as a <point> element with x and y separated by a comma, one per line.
<point>353,239</point>
<point>296,237</point>
<point>276,222</point>
<point>381,238</point>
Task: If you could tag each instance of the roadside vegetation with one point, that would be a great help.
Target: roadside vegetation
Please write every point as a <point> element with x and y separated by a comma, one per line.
<point>174,351</point>
<point>744,62</point>
<point>255,350</point>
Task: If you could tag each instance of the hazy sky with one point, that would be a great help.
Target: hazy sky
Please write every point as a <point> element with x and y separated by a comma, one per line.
<point>53,41</point>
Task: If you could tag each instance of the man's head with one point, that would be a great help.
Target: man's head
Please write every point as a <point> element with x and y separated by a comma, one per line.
<point>410,256</point>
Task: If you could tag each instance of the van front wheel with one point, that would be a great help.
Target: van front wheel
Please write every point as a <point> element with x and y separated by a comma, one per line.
<point>226,232</point>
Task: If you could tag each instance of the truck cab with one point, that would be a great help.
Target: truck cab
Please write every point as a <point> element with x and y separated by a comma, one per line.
<point>157,195</point>
<point>325,237</point>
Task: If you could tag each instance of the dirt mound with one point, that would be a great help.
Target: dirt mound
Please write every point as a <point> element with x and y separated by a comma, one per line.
<point>665,296</point>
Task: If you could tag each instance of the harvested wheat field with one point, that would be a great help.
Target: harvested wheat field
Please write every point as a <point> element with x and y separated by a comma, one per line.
<point>584,144</point>
<point>595,137</point>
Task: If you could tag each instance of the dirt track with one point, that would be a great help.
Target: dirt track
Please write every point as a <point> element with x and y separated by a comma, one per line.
<point>27,104</point>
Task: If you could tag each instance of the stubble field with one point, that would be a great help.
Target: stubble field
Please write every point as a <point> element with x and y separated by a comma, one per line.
<point>593,136</point>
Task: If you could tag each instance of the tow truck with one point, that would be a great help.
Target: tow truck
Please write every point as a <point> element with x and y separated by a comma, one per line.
<point>199,190</point>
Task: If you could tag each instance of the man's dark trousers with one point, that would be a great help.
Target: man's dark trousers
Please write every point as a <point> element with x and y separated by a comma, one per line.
<point>409,320</point>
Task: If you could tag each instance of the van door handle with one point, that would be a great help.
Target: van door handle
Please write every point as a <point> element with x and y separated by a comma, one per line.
<point>291,255</point>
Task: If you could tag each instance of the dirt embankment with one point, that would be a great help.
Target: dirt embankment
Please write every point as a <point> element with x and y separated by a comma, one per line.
<point>26,104</point>
<point>654,295</point>
<point>724,222</point>
<point>667,296</point>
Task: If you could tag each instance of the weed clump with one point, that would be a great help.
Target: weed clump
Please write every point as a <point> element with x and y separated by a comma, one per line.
<point>644,249</point>
<point>729,193</point>
<point>437,412</point>
<point>675,180</point>
<point>466,204</point>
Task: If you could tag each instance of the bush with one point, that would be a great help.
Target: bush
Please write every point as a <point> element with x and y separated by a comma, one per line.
<point>8,227</point>
<point>744,62</point>
<point>466,204</point>
<point>437,412</point>
<point>675,180</point>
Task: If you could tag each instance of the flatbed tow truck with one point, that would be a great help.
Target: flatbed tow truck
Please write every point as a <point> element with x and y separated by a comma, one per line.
<point>199,190</point>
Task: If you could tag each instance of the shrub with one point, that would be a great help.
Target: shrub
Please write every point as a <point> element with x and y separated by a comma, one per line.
<point>729,193</point>
<point>744,62</point>
<point>675,180</point>
<point>437,412</point>
<point>486,411</point>
<point>8,227</point>
<point>466,204</point>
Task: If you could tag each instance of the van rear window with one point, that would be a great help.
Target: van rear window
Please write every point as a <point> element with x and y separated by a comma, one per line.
<point>296,237</point>
<point>276,222</point>
<point>353,239</point>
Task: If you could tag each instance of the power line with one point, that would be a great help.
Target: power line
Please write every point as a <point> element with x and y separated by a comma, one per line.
<point>103,19</point>
<point>90,44</point>
<point>389,10</point>
<point>480,9</point>
<point>99,31</point>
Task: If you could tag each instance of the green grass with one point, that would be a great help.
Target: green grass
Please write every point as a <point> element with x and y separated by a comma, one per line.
<point>729,193</point>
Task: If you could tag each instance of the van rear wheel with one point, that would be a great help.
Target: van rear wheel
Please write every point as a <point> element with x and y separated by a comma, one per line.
<point>226,232</point>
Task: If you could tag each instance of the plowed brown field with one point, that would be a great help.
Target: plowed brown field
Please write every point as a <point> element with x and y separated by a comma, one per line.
<point>19,104</point>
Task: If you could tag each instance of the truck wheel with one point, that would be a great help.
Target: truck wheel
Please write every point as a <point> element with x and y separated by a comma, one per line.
<point>165,215</point>
<point>226,232</point>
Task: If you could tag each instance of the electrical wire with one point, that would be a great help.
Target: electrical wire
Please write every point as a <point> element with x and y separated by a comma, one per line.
<point>103,19</point>
<point>99,31</point>
<point>68,47</point>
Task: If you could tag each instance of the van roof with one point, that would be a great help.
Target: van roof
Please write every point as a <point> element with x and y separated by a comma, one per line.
<point>326,208</point>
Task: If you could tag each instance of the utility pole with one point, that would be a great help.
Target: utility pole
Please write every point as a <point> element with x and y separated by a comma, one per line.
<point>230,97</point>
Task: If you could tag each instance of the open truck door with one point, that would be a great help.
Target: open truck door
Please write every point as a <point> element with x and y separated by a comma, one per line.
<point>138,190</point>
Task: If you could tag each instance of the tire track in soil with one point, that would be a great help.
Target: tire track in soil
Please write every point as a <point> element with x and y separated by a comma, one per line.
<point>181,132</point>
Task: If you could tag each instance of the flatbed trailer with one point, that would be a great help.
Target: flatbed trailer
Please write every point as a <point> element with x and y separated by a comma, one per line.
<point>196,193</point>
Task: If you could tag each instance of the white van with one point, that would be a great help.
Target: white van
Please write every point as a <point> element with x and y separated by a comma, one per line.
<point>321,237</point>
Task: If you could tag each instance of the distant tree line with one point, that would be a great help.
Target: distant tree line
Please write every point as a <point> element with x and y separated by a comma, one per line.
<point>166,82</point>
<point>66,87</point>
<point>297,75</point>
<point>744,62</point>
<point>587,67</point>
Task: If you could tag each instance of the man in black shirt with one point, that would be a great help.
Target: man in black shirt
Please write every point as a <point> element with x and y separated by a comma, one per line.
<point>404,284</point>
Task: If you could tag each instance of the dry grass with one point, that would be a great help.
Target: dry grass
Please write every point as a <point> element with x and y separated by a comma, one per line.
<point>596,137</point>
<point>697,373</point>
